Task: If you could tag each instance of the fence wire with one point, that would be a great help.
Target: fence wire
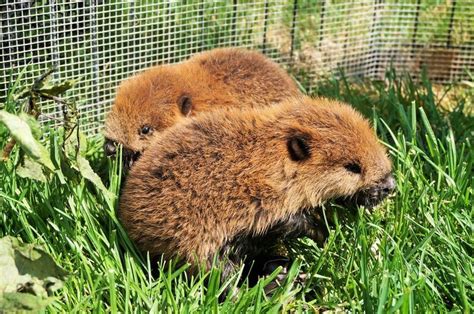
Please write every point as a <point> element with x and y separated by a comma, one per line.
<point>103,42</point>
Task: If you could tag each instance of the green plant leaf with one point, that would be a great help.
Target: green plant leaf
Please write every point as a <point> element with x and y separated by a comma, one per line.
<point>31,169</point>
<point>13,302</point>
<point>73,141</point>
<point>21,132</point>
<point>23,92</point>
<point>86,171</point>
<point>56,88</point>
<point>29,276</point>
<point>33,124</point>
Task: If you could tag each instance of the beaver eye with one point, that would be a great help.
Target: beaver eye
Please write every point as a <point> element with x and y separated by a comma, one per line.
<point>353,167</point>
<point>146,129</point>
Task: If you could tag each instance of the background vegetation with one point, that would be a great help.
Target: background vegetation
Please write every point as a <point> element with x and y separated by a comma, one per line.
<point>414,253</point>
<point>104,42</point>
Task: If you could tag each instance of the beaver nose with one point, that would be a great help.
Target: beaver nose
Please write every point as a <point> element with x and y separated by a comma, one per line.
<point>388,185</point>
<point>110,148</point>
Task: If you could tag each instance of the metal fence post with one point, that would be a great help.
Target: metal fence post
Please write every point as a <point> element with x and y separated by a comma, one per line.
<point>265,27</point>
<point>451,22</point>
<point>293,27</point>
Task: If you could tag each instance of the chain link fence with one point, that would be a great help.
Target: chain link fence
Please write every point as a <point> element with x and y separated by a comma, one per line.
<point>103,42</point>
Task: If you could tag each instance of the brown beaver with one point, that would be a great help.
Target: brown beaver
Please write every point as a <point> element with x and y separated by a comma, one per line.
<point>161,96</point>
<point>232,182</point>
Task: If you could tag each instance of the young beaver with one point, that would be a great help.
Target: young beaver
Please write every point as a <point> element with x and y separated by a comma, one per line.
<point>161,96</point>
<point>233,182</point>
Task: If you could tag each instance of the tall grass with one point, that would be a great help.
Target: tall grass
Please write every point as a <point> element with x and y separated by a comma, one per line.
<point>414,253</point>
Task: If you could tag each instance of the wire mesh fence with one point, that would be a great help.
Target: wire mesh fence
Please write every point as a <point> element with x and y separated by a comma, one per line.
<point>103,42</point>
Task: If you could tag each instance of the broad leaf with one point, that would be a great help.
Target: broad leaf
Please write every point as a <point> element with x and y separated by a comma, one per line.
<point>31,169</point>
<point>73,141</point>
<point>33,124</point>
<point>22,134</point>
<point>87,172</point>
<point>13,302</point>
<point>56,88</point>
<point>29,276</point>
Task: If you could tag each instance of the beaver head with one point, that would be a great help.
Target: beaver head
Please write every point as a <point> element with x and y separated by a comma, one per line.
<point>333,153</point>
<point>146,103</point>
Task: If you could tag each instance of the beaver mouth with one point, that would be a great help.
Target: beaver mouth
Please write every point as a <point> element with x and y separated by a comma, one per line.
<point>129,156</point>
<point>370,197</point>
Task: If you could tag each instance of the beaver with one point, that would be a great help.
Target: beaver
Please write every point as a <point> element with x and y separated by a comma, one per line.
<point>232,182</point>
<point>161,96</point>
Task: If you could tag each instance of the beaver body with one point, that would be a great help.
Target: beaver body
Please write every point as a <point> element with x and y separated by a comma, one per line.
<point>161,96</point>
<point>231,182</point>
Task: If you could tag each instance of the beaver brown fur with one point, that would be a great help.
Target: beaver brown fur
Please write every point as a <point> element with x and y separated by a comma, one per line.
<point>161,96</point>
<point>232,182</point>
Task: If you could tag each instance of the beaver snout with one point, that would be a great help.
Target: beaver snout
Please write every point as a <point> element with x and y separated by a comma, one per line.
<point>110,148</point>
<point>128,156</point>
<point>377,193</point>
<point>387,186</point>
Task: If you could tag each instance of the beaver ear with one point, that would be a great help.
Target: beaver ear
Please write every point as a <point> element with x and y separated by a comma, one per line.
<point>298,147</point>
<point>185,105</point>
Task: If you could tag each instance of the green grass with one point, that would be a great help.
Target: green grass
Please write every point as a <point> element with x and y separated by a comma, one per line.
<point>414,253</point>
